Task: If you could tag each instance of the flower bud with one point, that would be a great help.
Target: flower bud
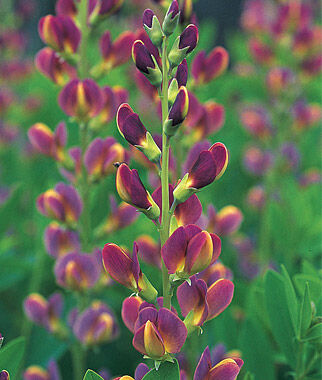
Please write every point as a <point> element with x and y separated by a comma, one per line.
<point>132,191</point>
<point>60,241</point>
<point>146,63</point>
<point>177,113</point>
<point>125,269</point>
<point>77,271</point>
<point>159,332</point>
<point>152,26</point>
<point>183,45</point>
<point>209,165</point>
<point>81,99</point>
<point>204,69</point>
<point>49,143</point>
<point>171,18</point>
<point>62,203</point>
<point>134,132</point>
<point>95,325</point>
<point>49,63</point>
<point>60,33</point>
<point>100,157</point>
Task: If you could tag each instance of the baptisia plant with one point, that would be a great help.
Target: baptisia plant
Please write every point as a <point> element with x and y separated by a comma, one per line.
<point>186,250</point>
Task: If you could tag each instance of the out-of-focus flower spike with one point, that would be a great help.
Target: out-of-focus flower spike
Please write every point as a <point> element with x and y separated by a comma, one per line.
<point>146,63</point>
<point>132,191</point>
<point>81,99</point>
<point>149,250</point>
<point>60,33</point>
<point>171,18</point>
<point>134,132</point>
<point>77,271</point>
<point>204,69</point>
<point>183,45</point>
<point>178,112</point>
<point>95,325</point>
<point>54,67</point>
<point>228,220</point>
<point>60,241</point>
<point>152,26</point>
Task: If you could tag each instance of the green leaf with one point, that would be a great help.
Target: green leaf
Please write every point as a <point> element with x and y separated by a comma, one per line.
<point>315,283</point>
<point>91,375</point>
<point>306,312</point>
<point>249,376</point>
<point>11,356</point>
<point>279,315</point>
<point>314,334</point>
<point>292,302</point>
<point>167,370</point>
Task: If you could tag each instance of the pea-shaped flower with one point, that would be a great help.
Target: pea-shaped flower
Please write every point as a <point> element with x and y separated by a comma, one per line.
<point>189,250</point>
<point>101,155</point>
<point>95,325</point>
<point>125,269</point>
<point>132,191</point>
<point>183,45</point>
<point>159,333</point>
<point>60,241</point>
<point>77,271</point>
<point>49,63</point>
<point>62,203</point>
<point>81,99</point>
<point>152,26</point>
<point>200,304</point>
<point>135,133</point>
<point>204,68</point>
<point>209,165</point>
<point>36,372</point>
<point>146,63</point>
<point>227,369</point>
<point>228,220</point>
<point>47,142</point>
<point>60,33</point>
<point>171,18</point>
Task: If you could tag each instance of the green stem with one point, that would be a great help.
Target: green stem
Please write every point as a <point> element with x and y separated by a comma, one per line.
<point>78,359</point>
<point>165,219</point>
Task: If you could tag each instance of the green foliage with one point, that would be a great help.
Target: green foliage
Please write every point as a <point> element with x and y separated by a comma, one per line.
<point>167,370</point>
<point>11,356</point>
<point>91,375</point>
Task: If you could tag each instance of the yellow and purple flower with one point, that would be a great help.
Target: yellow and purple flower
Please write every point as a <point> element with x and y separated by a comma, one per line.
<point>132,191</point>
<point>101,155</point>
<point>226,221</point>
<point>189,250</point>
<point>60,33</point>
<point>171,19</point>
<point>256,121</point>
<point>200,304</point>
<point>204,69</point>
<point>146,63</point>
<point>227,369</point>
<point>60,241</point>
<point>261,52</point>
<point>257,161</point>
<point>95,325</point>
<point>184,45</point>
<point>158,333</point>
<point>135,133</point>
<point>125,269</point>
<point>62,203</point>
<point>49,63</point>
<point>4,375</point>
<point>47,142</point>
<point>36,372</point>
<point>214,272</point>
<point>279,80</point>
<point>77,271</point>
<point>210,165</point>
<point>44,312</point>
<point>81,99</point>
